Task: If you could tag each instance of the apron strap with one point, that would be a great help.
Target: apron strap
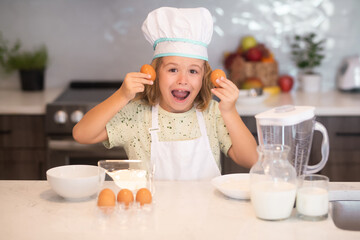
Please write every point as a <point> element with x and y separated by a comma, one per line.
<point>201,123</point>
<point>155,123</point>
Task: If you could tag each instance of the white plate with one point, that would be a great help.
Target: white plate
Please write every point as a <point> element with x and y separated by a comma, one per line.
<point>233,185</point>
<point>244,99</point>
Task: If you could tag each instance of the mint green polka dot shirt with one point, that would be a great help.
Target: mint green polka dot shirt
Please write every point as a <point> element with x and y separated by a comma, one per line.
<point>129,128</point>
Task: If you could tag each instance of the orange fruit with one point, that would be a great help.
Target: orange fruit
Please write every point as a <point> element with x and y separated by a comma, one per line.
<point>125,196</point>
<point>252,82</point>
<point>106,198</point>
<point>217,74</point>
<point>148,69</point>
<point>143,196</point>
<point>269,59</point>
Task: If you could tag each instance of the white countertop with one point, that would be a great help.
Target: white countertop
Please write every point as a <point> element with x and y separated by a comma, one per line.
<point>181,210</point>
<point>332,103</point>
<point>14,101</point>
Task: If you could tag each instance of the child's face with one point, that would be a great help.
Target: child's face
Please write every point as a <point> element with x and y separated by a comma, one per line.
<point>180,80</point>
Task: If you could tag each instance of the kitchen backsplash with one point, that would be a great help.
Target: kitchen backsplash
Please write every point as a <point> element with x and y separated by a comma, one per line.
<point>93,39</point>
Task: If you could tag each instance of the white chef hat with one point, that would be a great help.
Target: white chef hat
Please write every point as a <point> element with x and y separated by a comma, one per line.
<point>182,32</point>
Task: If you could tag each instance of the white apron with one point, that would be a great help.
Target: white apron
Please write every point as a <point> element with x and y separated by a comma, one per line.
<point>182,160</point>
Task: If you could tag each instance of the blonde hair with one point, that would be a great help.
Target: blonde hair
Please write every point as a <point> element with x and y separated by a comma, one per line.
<point>151,94</point>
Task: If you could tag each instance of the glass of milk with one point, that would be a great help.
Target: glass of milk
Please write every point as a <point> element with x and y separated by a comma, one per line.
<point>312,200</point>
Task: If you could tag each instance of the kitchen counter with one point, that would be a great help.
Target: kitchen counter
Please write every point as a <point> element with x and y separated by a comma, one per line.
<point>181,210</point>
<point>14,101</point>
<point>331,103</point>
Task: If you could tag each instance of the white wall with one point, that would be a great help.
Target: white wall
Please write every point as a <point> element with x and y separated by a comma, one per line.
<point>94,39</point>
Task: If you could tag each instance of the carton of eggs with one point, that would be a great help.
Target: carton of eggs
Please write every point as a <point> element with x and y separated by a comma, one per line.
<point>124,199</point>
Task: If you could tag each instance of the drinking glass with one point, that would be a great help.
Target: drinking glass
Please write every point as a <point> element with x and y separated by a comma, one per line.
<point>312,200</point>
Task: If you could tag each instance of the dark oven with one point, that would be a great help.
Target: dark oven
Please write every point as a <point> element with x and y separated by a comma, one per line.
<point>65,112</point>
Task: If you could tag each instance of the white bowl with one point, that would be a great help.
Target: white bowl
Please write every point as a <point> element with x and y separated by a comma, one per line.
<point>236,185</point>
<point>245,99</point>
<point>75,182</point>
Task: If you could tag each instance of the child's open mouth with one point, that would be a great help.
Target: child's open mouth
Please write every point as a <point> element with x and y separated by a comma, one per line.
<point>180,94</point>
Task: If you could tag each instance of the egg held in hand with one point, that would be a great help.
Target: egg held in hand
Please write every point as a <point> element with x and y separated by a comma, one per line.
<point>143,196</point>
<point>125,196</point>
<point>106,198</point>
<point>217,74</point>
<point>148,69</point>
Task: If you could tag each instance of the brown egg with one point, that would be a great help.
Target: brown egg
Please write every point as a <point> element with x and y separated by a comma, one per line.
<point>143,196</point>
<point>148,69</point>
<point>125,196</point>
<point>217,74</point>
<point>106,198</point>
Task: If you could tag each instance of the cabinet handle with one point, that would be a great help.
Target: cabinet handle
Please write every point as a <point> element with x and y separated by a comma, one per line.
<point>5,132</point>
<point>348,134</point>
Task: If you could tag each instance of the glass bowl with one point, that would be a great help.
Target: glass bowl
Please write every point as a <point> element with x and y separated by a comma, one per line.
<point>129,174</point>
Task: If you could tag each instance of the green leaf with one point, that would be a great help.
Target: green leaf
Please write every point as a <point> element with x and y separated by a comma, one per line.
<point>306,52</point>
<point>11,58</point>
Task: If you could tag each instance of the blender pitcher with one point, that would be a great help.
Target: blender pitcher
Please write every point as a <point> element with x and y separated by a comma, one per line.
<point>293,126</point>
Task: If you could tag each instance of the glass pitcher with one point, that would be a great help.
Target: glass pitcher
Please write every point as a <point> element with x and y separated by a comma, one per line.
<point>273,183</point>
<point>293,126</point>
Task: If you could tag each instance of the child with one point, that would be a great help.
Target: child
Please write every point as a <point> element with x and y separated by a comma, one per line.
<point>172,121</point>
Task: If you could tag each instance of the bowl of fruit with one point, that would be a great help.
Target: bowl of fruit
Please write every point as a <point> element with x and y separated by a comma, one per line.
<point>251,59</point>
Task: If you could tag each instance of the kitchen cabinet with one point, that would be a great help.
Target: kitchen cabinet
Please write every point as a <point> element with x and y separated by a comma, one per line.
<point>344,157</point>
<point>22,147</point>
<point>228,165</point>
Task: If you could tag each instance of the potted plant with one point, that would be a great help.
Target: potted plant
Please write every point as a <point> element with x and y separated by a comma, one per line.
<point>307,53</point>
<point>30,64</point>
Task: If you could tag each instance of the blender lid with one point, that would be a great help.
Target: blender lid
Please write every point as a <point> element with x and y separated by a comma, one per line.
<point>285,115</point>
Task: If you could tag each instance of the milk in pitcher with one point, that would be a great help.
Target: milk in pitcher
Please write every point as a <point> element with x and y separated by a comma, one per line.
<point>273,200</point>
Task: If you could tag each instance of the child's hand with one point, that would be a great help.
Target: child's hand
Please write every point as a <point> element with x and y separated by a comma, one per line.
<point>228,94</point>
<point>134,83</point>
